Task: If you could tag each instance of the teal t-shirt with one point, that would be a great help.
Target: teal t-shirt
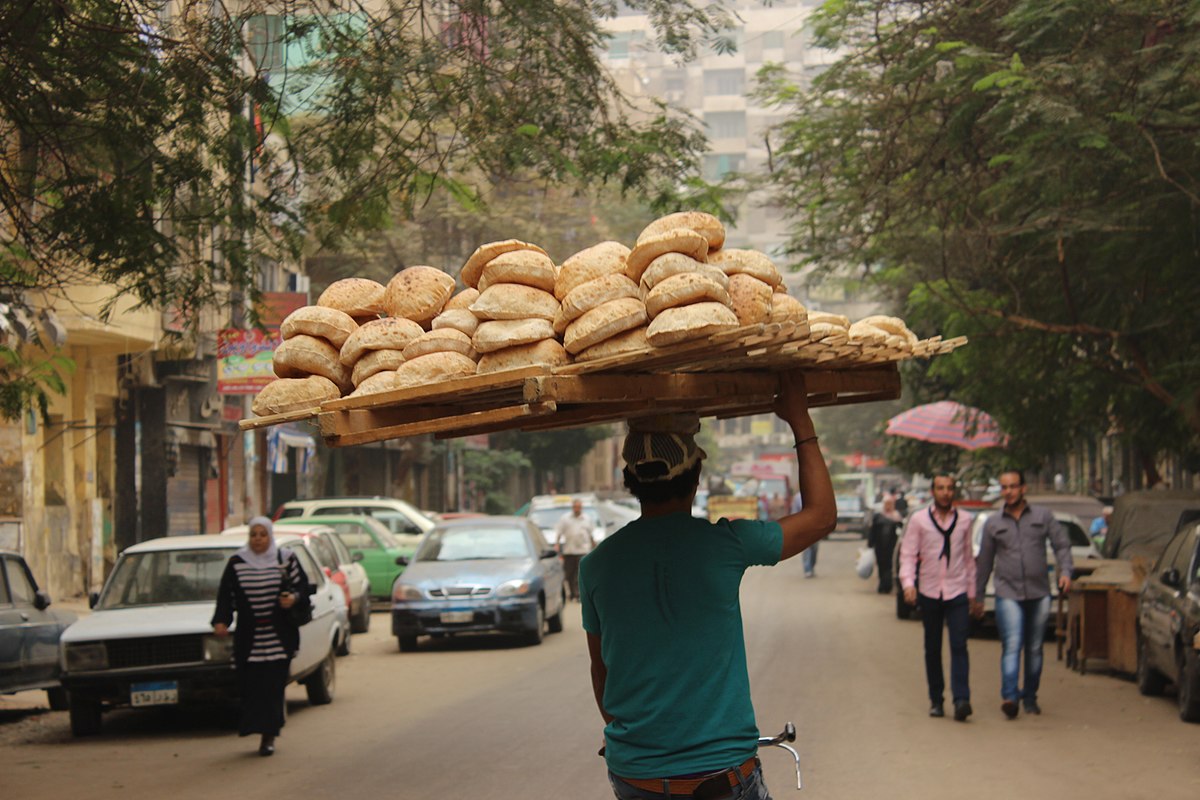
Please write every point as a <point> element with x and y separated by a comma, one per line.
<point>662,595</point>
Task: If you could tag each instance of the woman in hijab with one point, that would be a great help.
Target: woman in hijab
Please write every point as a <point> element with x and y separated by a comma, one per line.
<point>261,583</point>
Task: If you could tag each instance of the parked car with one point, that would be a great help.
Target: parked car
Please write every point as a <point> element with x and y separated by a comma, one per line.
<point>149,639</point>
<point>607,517</point>
<point>477,575</point>
<point>29,633</point>
<point>853,515</point>
<point>376,548</point>
<point>327,562</point>
<point>350,572</point>
<point>406,522</point>
<point>1143,522</point>
<point>1168,623</point>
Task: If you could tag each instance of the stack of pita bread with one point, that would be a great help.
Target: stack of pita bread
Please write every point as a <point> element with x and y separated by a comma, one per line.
<point>602,311</point>
<point>515,306</point>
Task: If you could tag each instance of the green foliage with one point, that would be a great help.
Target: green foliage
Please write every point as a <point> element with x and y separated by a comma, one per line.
<point>488,471</point>
<point>550,452</point>
<point>25,380</point>
<point>1023,173</point>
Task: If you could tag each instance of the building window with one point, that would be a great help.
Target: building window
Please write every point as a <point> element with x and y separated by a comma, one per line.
<point>719,165</point>
<point>773,40</point>
<point>726,124</point>
<point>718,82</point>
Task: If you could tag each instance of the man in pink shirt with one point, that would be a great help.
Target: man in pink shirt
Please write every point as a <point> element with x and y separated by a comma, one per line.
<point>937,543</point>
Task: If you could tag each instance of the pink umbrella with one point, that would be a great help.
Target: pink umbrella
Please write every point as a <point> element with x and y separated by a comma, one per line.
<point>947,422</point>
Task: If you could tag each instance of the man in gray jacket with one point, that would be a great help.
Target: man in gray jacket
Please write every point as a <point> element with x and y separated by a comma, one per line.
<point>1014,543</point>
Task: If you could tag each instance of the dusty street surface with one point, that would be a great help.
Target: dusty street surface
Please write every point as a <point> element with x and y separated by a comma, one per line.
<point>492,719</point>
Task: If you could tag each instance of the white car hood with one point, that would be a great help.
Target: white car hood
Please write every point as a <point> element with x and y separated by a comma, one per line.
<point>157,620</point>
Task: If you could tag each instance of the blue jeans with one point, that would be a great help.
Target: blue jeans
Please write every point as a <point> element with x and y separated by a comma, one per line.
<point>810,558</point>
<point>751,788</point>
<point>955,614</point>
<point>1022,623</point>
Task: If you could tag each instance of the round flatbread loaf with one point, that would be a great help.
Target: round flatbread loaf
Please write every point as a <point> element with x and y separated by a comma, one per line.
<point>597,292</point>
<point>684,289</point>
<point>473,269</point>
<point>462,300</point>
<point>373,362</point>
<point>547,352</point>
<point>383,381</point>
<point>669,264</point>
<point>460,319</point>
<point>631,341</point>
<point>749,262</point>
<point>292,394</point>
<point>304,355</point>
<point>498,334</point>
<point>320,321</point>
<point>358,297</point>
<point>586,265</point>
<point>527,267</point>
<point>703,223</point>
<point>751,299</point>
<point>418,293</point>
<point>837,320</point>
<point>514,301</point>
<point>892,325</point>
<point>433,368</point>
<point>684,323</point>
<point>442,340</point>
<point>602,322</point>
<point>389,333</point>
<point>679,240</point>
<point>866,333</point>
<point>785,308</point>
<point>560,323</point>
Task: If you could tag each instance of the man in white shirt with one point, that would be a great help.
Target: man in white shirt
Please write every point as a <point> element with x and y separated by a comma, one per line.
<point>574,538</point>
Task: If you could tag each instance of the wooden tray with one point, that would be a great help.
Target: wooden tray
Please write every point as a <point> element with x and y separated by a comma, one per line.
<point>727,375</point>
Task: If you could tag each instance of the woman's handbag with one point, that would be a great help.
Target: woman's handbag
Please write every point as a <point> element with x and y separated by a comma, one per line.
<point>866,563</point>
<point>301,612</point>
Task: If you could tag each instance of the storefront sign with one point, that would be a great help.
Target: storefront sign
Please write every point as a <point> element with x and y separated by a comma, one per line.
<point>244,360</point>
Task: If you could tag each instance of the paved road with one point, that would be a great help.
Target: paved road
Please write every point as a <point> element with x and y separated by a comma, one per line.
<point>495,720</point>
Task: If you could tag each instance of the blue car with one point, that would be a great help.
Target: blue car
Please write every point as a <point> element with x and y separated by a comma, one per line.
<point>480,574</point>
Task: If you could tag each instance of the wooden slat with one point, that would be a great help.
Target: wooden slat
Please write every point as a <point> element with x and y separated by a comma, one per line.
<point>336,438</point>
<point>278,419</point>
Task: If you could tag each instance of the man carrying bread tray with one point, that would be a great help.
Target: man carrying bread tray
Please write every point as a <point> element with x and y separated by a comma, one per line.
<point>663,620</point>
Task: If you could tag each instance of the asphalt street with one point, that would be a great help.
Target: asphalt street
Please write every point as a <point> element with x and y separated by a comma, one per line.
<point>489,718</point>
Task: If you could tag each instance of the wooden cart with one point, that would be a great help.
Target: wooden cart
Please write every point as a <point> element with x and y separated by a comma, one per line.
<point>726,375</point>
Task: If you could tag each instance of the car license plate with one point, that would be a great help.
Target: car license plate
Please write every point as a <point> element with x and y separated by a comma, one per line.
<point>156,693</point>
<point>457,617</point>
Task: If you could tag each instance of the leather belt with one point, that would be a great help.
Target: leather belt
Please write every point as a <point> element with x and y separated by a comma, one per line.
<point>687,786</point>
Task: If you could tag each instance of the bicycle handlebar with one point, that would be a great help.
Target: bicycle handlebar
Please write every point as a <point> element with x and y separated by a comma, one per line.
<point>788,734</point>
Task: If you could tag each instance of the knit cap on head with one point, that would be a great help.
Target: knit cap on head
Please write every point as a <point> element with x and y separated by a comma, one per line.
<point>662,447</point>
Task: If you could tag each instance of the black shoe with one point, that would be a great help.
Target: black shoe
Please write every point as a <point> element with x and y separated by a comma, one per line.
<point>962,710</point>
<point>267,746</point>
<point>1031,707</point>
<point>1009,707</point>
<point>936,710</point>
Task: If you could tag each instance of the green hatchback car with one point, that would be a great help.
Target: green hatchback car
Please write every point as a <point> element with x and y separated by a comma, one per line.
<point>370,542</point>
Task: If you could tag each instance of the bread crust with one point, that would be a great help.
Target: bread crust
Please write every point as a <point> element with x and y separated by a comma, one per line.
<point>320,321</point>
<point>389,333</point>
<point>292,394</point>
<point>548,352</point>
<point>418,293</point>
<point>588,264</point>
<point>604,321</point>
<point>514,301</point>
<point>497,334</point>
<point>358,297</point>
<point>304,355</point>
<point>683,323</point>
<point>684,289</point>
<point>473,269</point>
<point>701,222</point>
<point>678,240</point>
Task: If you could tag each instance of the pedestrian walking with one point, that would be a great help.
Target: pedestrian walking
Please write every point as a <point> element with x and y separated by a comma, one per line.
<point>262,585</point>
<point>663,619</point>
<point>809,556</point>
<point>1014,547</point>
<point>881,537</point>
<point>937,572</point>
<point>574,538</point>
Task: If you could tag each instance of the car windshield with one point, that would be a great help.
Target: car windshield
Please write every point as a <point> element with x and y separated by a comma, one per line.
<point>165,576</point>
<point>849,502</point>
<point>547,518</point>
<point>467,544</point>
<point>358,533</point>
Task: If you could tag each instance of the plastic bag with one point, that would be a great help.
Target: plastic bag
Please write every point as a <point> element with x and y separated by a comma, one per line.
<point>866,563</point>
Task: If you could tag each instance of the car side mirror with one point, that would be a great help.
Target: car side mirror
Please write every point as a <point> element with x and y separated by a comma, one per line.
<point>1171,578</point>
<point>41,600</point>
<point>402,561</point>
<point>356,556</point>
<point>93,598</point>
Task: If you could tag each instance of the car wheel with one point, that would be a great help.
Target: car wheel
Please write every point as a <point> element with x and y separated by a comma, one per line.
<point>535,634</point>
<point>321,683</point>
<point>85,714</point>
<point>343,648</point>
<point>408,644</point>
<point>1149,681</point>
<point>362,620</point>
<point>555,623</point>
<point>57,698</point>
<point>1188,684</point>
